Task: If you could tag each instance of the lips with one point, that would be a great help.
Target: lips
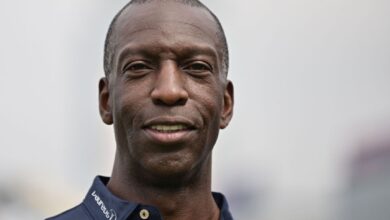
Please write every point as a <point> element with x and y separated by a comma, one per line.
<point>169,130</point>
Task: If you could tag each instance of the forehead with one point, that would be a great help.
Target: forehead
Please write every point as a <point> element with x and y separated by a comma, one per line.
<point>165,23</point>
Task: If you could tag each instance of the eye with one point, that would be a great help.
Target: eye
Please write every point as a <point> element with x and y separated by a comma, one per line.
<point>198,68</point>
<point>137,68</point>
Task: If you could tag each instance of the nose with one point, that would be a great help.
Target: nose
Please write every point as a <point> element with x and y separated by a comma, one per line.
<point>169,86</point>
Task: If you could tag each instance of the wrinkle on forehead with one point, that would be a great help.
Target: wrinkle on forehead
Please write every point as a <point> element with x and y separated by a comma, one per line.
<point>166,29</point>
<point>167,23</point>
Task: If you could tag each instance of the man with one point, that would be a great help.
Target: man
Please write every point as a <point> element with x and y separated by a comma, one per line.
<point>167,95</point>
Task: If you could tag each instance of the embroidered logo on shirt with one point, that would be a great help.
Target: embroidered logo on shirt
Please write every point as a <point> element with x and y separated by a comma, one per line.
<point>109,214</point>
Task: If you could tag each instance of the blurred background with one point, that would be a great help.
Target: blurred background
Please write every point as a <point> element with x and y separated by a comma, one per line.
<point>310,138</point>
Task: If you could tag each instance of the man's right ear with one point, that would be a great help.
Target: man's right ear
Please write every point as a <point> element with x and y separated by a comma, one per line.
<point>104,101</point>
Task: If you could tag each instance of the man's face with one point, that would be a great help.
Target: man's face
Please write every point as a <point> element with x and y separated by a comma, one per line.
<point>166,95</point>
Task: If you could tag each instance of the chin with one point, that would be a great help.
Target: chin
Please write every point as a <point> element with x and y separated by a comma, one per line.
<point>171,171</point>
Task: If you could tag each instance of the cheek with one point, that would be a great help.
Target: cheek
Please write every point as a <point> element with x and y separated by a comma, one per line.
<point>210,102</point>
<point>126,108</point>
<point>128,101</point>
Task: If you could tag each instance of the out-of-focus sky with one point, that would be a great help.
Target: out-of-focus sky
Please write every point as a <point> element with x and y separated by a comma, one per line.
<point>311,80</point>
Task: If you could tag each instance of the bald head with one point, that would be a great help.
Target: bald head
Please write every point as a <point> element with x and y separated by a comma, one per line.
<point>110,42</point>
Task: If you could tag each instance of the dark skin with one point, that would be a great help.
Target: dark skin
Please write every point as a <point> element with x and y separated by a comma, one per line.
<point>167,97</point>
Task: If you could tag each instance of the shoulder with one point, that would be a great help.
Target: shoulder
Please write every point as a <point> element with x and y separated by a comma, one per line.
<point>79,212</point>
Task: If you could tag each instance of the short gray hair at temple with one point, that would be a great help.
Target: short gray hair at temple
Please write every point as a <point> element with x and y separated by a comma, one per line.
<point>109,48</point>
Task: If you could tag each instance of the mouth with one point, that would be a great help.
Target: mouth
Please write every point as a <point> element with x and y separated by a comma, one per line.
<point>169,130</point>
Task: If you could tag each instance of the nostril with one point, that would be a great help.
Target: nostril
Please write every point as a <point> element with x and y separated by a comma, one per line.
<point>178,102</point>
<point>169,97</point>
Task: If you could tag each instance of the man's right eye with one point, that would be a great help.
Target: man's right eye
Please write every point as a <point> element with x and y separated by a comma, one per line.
<point>137,67</point>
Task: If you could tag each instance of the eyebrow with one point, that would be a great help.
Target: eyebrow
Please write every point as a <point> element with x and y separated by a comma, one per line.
<point>154,51</point>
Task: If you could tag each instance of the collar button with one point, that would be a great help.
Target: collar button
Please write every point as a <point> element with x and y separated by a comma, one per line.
<point>144,214</point>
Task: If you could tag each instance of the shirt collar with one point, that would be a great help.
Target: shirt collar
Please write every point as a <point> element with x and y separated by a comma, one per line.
<point>103,205</point>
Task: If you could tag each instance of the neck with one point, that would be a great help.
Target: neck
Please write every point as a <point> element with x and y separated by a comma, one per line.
<point>191,199</point>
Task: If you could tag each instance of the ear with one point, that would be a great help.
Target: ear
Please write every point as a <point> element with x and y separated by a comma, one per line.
<point>104,101</point>
<point>228,103</point>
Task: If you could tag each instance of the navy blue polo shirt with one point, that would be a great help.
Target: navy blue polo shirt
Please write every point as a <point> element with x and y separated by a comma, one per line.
<point>101,204</point>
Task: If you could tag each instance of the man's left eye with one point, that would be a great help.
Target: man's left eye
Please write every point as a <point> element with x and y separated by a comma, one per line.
<point>198,67</point>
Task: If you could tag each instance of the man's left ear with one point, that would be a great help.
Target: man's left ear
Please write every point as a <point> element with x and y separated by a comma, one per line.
<point>228,103</point>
